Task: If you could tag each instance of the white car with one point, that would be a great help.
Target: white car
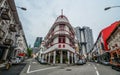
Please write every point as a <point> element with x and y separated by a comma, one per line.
<point>15,60</point>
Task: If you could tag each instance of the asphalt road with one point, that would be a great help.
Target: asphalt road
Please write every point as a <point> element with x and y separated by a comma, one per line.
<point>14,70</point>
<point>34,68</point>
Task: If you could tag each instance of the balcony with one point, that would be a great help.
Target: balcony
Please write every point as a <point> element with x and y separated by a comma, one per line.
<point>2,33</point>
<point>61,32</point>
<point>4,13</point>
<point>57,47</point>
<point>8,42</point>
<point>12,28</point>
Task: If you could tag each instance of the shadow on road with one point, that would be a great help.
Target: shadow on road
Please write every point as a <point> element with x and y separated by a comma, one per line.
<point>14,70</point>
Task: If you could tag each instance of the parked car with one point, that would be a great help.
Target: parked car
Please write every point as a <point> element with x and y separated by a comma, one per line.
<point>105,63</point>
<point>80,62</point>
<point>15,60</point>
<point>84,61</point>
<point>21,58</point>
<point>42,61</point>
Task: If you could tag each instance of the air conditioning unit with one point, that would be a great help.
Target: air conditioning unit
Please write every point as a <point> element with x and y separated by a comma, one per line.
<point>8,42</point>
<point>12,28</point>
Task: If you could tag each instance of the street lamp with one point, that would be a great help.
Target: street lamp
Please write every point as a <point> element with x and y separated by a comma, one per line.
<point>107,8</point>
<point>23,8</point>
<point>4,12</point>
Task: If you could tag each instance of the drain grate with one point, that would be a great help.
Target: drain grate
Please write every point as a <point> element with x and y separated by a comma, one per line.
<point>61,68</point>
<point>68,69</point>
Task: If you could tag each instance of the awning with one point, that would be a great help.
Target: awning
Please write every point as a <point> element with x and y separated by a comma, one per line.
<point>21,54</point>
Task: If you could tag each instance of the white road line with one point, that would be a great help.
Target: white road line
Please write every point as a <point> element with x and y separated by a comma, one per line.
<point>88,64</point>
<point>34,62</point>
<point>97,64</point>
<point>28,68</point>
<point>97,73</point>
<point>41,69</point>
<point>96,69</point>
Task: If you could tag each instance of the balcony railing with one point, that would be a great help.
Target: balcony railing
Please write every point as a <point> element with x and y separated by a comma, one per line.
<point>56,47</point>
<point>13,27</point>
<point>2,33</point>
<point>8,42</point>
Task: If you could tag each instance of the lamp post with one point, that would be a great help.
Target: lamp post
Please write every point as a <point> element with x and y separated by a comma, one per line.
<point>23,8</point>
<point>5,16</point>
<point>107,8</point>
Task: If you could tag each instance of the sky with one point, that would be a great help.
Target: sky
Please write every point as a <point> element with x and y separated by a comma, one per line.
<point>41,14</point>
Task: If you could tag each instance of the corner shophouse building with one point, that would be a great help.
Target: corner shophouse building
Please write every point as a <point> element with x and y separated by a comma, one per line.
<point>60,43</point>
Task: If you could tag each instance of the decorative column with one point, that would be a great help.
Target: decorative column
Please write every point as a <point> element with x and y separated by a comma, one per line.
<point>43,57</point>
<point>75,58</point>
<point>72,57</point>
<point>54,57</point>
<point>61,57</point>
<point>49,58</point>
<point>68,57</point>
<point>6,53</point>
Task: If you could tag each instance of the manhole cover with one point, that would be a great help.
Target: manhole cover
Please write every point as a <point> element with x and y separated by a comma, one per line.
<point>68,69</point>
<point>61,68</point>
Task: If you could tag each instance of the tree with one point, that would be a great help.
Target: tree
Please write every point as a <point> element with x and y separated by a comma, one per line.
<point>29,51</point>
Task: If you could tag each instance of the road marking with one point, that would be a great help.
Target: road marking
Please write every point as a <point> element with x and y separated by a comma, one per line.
<point>28,70</point>
<point>97,73</point>
<point>34,62</point>
<point>89,64</point>
<point>97,64</point>
<point>96,69</point>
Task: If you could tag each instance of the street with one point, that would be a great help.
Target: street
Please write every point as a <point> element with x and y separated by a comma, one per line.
<point>35,68</point>
<point>61,69</point>
<point>14,70</point>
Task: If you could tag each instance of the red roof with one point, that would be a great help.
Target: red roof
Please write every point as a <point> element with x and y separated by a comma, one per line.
<point>107,31</point>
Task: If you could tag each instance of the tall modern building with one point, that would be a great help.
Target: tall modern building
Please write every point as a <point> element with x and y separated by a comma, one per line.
<point>60,43</point>
<point>38,42</point>
<point>85,37</point>
<point>37,45</point>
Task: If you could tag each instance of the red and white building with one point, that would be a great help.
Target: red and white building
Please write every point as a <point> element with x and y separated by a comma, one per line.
<point>102,47</point>
<point>60,43</point>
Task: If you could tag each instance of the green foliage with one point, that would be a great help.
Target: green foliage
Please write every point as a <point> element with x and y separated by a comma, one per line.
<point>29,52</point>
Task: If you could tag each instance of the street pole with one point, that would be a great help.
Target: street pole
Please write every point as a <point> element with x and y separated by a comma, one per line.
<point>22,8</point>
<point>107,8</point>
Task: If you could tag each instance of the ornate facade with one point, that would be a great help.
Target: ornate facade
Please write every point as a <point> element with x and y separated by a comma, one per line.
<point>60,43</point>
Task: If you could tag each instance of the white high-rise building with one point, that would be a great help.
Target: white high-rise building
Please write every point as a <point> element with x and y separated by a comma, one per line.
<point>85,37</point>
